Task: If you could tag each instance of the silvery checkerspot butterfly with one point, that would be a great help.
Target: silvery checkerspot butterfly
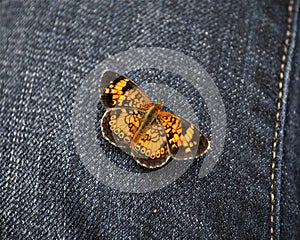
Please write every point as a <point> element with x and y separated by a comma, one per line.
<point>141,128</point>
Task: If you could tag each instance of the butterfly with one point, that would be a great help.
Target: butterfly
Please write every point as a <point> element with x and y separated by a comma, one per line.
<point>141,128</point>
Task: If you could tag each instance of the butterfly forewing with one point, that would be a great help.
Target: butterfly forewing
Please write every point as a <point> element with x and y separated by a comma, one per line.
<point>184,139</point>
<point>118,91</point>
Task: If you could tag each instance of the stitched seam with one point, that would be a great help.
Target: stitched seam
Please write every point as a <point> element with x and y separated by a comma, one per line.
<point>278,117</point>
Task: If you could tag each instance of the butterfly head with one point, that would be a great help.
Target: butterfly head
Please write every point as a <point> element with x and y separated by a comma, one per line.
<point>158,106</point>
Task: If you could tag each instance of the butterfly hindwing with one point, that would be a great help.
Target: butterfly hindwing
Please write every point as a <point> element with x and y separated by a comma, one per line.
<point>184,139</point>
<point>151,149</point>
<point>118,91</point>
<point>119,126</point>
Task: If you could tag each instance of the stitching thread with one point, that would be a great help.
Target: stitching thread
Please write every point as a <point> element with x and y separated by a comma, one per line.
<point>277,122</point>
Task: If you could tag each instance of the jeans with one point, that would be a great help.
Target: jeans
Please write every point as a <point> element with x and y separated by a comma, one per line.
<point>251,51</point>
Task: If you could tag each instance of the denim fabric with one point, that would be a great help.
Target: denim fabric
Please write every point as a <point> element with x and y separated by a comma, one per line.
<point>47,48</point>
<point>291,178</point>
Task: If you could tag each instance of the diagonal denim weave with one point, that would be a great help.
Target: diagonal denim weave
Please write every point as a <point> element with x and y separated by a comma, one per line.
<point>47,48</point>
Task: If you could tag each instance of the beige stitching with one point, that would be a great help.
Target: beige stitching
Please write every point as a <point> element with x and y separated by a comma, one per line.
<point>277,123</point>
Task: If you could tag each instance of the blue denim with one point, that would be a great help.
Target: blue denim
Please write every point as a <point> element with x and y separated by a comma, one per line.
<point>47,48</point>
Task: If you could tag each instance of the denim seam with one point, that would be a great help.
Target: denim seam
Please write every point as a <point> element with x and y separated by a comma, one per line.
<point>276,163</point>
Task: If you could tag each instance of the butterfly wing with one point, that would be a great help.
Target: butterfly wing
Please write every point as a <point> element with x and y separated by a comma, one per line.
<point>151,149</point>
<point>119,126</point>
<point>185,140</point>
<point>118,91</point>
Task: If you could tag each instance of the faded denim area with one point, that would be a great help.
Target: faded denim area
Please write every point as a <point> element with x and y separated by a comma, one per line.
<point>48,48</point>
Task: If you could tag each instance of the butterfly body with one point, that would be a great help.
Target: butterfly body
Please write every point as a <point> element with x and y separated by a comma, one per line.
<point>151,114</point>
<point>141,128</point>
